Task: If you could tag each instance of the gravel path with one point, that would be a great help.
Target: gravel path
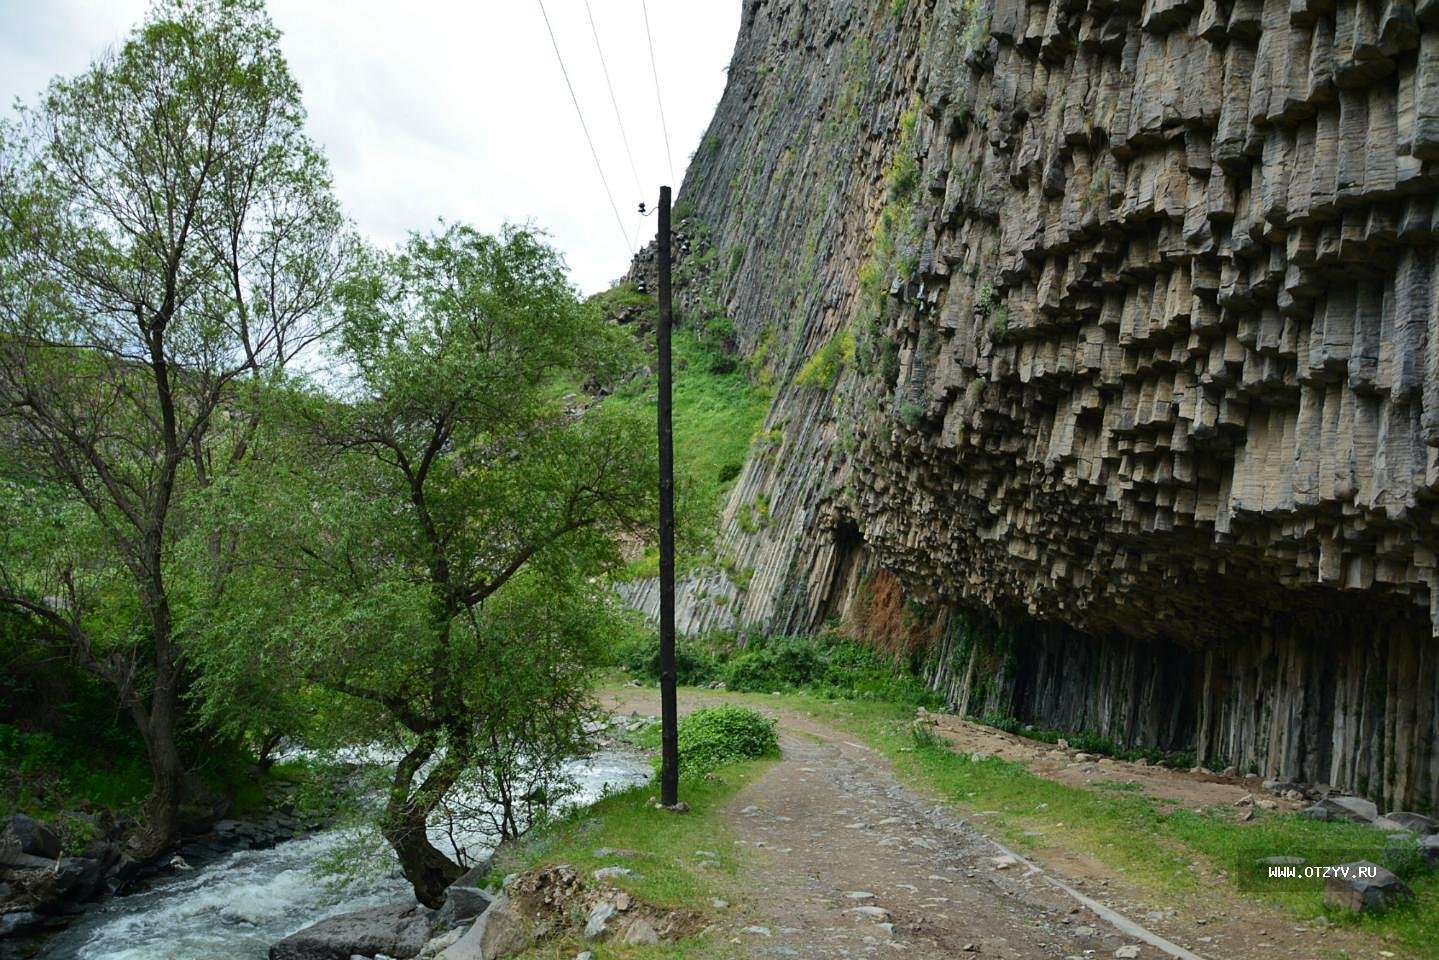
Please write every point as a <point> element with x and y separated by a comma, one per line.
<point>854,864</point>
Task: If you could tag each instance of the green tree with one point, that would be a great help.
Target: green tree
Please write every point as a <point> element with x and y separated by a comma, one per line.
<point>168,244</point>
<point>441,546</point>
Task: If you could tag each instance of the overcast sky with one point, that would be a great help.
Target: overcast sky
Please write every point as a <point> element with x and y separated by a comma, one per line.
<point>444,108</point>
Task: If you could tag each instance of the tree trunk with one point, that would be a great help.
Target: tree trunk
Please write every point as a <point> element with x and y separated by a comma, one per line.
<point>407,814</point>
<point>159,829</point>
<point>429,871</point>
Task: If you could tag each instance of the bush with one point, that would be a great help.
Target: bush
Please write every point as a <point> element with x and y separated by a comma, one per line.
<point>698,660</point>
<point>718,736</point>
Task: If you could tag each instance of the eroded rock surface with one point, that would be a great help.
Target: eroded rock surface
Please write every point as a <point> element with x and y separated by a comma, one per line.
<point>1135,313</point>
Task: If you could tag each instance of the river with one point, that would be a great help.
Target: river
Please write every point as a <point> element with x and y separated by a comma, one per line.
<point>234,908</point>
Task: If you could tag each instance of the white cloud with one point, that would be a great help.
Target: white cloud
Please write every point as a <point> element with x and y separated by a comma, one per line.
<point>449,109</point>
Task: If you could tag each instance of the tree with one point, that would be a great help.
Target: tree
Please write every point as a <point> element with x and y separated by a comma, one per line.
<point>445,538</point>
<point>168,244</point>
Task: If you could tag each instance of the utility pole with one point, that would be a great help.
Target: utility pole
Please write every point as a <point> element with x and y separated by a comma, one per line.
<point>669,706</point>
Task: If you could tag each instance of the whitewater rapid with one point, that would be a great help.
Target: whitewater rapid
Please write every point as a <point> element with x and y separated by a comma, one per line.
<point>234,908</point>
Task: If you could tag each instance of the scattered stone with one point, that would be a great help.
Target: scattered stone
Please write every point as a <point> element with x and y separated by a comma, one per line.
<point>596,924</point>
<point>758,931</point>
<point>398,930</point>
<point>872,913</point>
<point>461,904</point>
<point>1083,757</point>
<point>1350,808</point>
<point>609,853</point>
<point>1429,847</point>
<point>1293,796</point>
<point>859,895</point>
<point>1405,820</point>
<point>719,904</point>
<point>1005,862</point>
<point>497,933</point>
<point>640,934</point>
<point>1376,891</point>
<point>1266,804</point>
<point>1245,801</point>
<point>1127,952</point>
<point>609,873</point>
<point>32,837</point>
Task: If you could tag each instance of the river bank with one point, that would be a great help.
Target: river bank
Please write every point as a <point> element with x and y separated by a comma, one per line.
<point>242,886</point>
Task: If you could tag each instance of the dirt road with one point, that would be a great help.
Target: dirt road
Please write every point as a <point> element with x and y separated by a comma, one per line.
<point>848,862</point>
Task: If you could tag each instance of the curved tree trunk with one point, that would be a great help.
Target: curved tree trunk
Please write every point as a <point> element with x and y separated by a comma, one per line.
<point>407,815</point>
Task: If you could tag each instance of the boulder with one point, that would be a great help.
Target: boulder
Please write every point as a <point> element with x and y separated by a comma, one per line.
<point>1350,808</point>
<point>398,930</point>
<point>1376,889</point>
<point>1406,820</point>
<point>1429,846</point>
<point>461,904</point>
<point>33,837</point>
<point>1316,812</point>
<point>498,932</point>
<point>14,924</point>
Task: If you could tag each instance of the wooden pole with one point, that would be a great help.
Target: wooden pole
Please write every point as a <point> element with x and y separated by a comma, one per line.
<point>669,707</point>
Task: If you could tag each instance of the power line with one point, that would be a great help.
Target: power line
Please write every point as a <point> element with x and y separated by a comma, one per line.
<point>619,122</point>
<point>656,71</point>
<point>613,101</point>
<point>594,154</point>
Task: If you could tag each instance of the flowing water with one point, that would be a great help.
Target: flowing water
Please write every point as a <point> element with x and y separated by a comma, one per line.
<point>236,907</point>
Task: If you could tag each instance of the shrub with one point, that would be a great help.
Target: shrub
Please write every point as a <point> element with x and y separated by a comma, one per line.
<point>718,736</point>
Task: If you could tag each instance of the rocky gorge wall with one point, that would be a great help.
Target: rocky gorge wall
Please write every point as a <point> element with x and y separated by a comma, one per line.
<point>1113,328</point>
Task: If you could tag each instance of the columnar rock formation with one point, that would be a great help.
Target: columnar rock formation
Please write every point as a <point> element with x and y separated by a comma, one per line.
<point>1134,318</point>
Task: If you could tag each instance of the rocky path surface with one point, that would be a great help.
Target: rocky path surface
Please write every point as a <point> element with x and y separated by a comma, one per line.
<point>847,862</point>
<point>854,864</point>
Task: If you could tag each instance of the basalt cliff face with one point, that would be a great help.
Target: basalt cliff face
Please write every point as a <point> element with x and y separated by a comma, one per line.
<point>1108,335</point>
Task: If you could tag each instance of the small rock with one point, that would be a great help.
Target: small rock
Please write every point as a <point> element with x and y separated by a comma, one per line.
<point>978,757</point>
<point>597,922</point>
<point>757,931</point>
<point>1127,952</point>
<point>1004,862</point>
<point>1245,801</point>
<point>1062,743</point>
<point>584,955</point>
<point>1083,757</point>
<point>1266,804</point>
<point>640,934</point>
<point>608,873</point>
<point>859,895</point>
<point>1229,772</point>
<point>872,913</point>
<point>719,904</point>
<point>1316,812</point>
<point>1429,847</point>
<point>1376,890</point>
<point>1293,796</point>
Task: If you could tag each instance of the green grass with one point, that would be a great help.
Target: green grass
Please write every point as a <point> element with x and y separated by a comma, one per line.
<point>717,413</point>
<point>662,846</point>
